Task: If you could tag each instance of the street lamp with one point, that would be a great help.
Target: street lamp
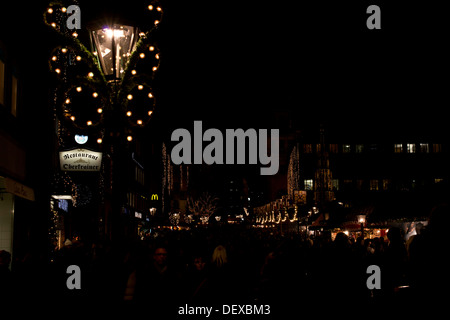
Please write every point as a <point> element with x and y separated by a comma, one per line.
<point>362,221</point>
<point>104,93</point>
<point>113,46</point>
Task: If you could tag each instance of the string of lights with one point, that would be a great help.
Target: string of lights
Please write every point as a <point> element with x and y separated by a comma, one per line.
<point>84,92</point>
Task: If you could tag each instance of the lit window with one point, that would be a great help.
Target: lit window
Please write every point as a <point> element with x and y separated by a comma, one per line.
<point>359,148</point>
<point>307,148</point>
<point>335,184</point>
<point>346,148</point>
<point>410,148</point>
<point>387,184</point>
<point>318,147</point>
<point>437,180</point>
<point>398,148</point>
<point>373,185</point>
<point>437,147</point>
<point>333,148</point>
<point>309,184</point>
<point>424,148</point>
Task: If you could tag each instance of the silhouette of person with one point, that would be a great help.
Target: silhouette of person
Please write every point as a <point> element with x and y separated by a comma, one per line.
<point>154,285</point>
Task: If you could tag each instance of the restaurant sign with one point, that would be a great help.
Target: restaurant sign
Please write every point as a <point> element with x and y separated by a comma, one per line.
<point>80,160</point>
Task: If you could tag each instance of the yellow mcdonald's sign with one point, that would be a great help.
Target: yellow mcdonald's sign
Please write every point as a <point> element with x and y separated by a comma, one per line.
<point>154,196</point>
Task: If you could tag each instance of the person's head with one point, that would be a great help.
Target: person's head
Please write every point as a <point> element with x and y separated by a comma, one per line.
<point>160,256</point>
<point>199,263</point>
<point>341,239</point>
<point>219,257</point>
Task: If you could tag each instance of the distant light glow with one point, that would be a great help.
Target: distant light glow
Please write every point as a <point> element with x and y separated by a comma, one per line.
<point>81,139</point>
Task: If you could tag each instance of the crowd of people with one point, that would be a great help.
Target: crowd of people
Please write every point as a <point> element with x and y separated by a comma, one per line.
<point>237,265</point>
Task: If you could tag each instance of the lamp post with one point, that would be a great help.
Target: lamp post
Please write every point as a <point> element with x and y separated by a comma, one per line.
<point>362,221</point>
<point>105,93</point>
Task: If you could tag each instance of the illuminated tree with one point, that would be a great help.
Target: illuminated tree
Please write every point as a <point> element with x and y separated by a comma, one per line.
<point>203,207</point>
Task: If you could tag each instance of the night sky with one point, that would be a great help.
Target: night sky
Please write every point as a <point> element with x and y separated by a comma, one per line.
<point>232,64</point>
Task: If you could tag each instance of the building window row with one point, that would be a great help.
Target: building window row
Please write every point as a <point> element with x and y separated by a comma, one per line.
<point>361,148</point>
<point>139,175</point>
<point>136,201</point>
<point>370,184</point>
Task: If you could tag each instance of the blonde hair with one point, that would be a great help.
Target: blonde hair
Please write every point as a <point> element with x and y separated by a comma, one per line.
<point>219,257</point>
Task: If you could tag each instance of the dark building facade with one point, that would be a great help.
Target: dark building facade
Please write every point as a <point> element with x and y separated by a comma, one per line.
<point>395,172</point>
<point>23,222</point>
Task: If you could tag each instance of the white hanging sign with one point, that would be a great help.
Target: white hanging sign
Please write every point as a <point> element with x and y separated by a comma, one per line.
<point>80,160</point>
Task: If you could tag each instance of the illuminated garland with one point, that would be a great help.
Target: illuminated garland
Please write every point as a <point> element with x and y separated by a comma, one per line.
<point>83,102</point>
<point>293,176</point>
<point>167,175</point>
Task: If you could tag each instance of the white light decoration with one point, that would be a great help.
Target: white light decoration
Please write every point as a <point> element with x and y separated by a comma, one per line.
<point>293,173</point>
<point>81,139</point>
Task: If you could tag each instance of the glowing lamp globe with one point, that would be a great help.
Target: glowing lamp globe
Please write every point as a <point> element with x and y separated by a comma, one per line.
<point>113,46</point>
